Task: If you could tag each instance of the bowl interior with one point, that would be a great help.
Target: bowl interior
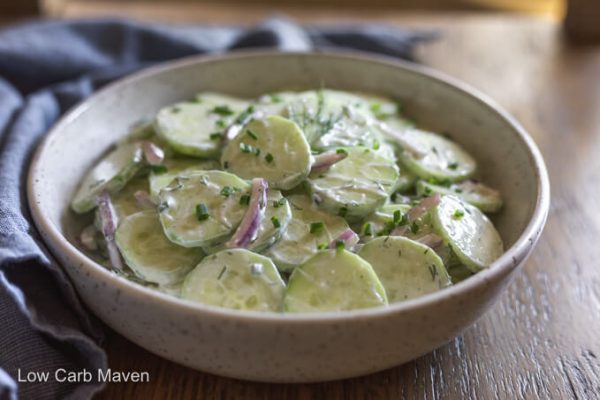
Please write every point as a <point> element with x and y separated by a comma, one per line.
<point>85,134</point>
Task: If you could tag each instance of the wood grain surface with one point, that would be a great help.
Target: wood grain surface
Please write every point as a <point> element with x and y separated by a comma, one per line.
<point>542,339</point>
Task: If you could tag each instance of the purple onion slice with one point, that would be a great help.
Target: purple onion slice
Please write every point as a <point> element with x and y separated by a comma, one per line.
<point>251,221</point>
<point>348,237</point>
<point>417,212</point>
<point>153,154</point>
<point>326,160</point>
<point>431,240</point>
<point>109,221</point>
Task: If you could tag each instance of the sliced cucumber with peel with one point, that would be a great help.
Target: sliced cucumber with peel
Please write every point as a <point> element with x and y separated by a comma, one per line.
<point>442,159</point>
<point>111,174</point>
<point>333,280</point>
<point>196,128</point>
<point>470,234</point>
<point>357,185</point>
<point>308,230</point>
<point>237,279</point>
<point>269,231</point>
<point>149,254</point>
<point>481,196</point>
<point>273,148</point>
<point>177,167</point>
<point>381,222</point>
<point>181,200</point>
<point>406,268</point>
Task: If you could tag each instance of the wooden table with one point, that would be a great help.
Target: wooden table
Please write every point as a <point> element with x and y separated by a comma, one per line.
<point>542,339</point>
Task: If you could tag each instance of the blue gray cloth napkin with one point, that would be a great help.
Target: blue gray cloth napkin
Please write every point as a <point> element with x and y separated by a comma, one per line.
<point>46,67</point>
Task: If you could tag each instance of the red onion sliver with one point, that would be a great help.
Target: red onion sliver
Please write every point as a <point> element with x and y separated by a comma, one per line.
<point>248,228</point>
<point>431,240</point>
<point>109,220</point>
<point>403,138</point>
<point>88,238</point>
<point>153,154</point>
<point>143,199</point>
<point>349,237</point>
<point>417,212</point>
<point>326,160</point>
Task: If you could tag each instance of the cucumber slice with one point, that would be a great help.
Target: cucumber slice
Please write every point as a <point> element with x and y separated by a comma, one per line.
<point>355,186</point>
<point>269,232</point>
<point>443,159</point>
<point>382,221</point>
<point>273,148</point>
<point>177,167</point>
<point>111,174</point>
<point>333,280</point>
<point>149,254</point>
<point>237,279</point>
<point>407,269</point>
<point>298,243</point>
<point>181,200</point>
<point>276,103</point>
<point>469,233</point>
<point>481,196</point>
<point>195,128</point>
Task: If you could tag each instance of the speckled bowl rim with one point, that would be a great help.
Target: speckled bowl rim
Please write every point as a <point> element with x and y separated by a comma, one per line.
<point>502,266</point>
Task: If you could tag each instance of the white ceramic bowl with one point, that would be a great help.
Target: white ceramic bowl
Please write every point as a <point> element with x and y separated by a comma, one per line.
<point>289,348</point>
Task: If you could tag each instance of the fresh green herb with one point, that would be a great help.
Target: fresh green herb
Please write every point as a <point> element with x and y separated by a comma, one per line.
<point>397,217</point>
<point>453,165</point>
<point>269,158</point>
<point>321,246</point>
<point>343,211</point>
<point>256,151</point>
<point>376,145</point>
<point>427,190</point>
<point>223,111</point>
<point>202,212</point>
<point>245,200</point>
<point>280,202</point>
<point>276,222</point>
<point>341,151</point>
<point>216,136</point>
<point>220,123</point>
<point>414,227</point>
<point>340,245</point>
<point>159,169</point>
<point>243,117</point>
<point>251,134</point>
<point>275,98</point>
<point>226,165</point>
<point>367,229</point>
<point>433,271</point>
<point>222,272</point>
<point>458,190</point>
<point>458,214</point>
<point>440,182</point>
<point>246,148</point>
<point>227,191</point>
<point>316,227</point>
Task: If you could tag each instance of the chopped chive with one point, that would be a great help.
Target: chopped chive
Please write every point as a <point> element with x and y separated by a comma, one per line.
<point>280,202</point>
<point>276,222</point>
<point>222,272</point>
<point>427,190</point>
<point>341,151</point>
<point>222,110</point>
<point>245,200</point>
<point>202,212</point>
<point>241,119</point>
<point>414,228</point>
<point>226,165</point>
<point>453,165</point>
<point>458,214</point>
<point>275,98</point>
<point>340,245</point>
<point>251,134</point>
<point>221,123</point>
<point>269,157</point>
<point>321,246</point>
<point>343,211</point>
<point>316,227</point>
<point>397,217</point>
<point>367,229</point>
<point>227,191</point>
<point>246,148</point>
<point>257,152</point>
<point>159,169</point>
<point>216,136</point>
<point>458,190</point>
<point>376,145</point>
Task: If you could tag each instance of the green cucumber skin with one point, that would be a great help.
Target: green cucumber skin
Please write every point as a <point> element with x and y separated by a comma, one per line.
<point>319,278</point>
<point>112,179</point>
<point>221,278</point>
<point>406,268</point>
<point>167,264</point>
<point>355,186</point>
<point>472,236</point>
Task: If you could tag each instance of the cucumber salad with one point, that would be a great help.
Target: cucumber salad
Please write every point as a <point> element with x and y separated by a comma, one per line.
<point>292,202</point>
